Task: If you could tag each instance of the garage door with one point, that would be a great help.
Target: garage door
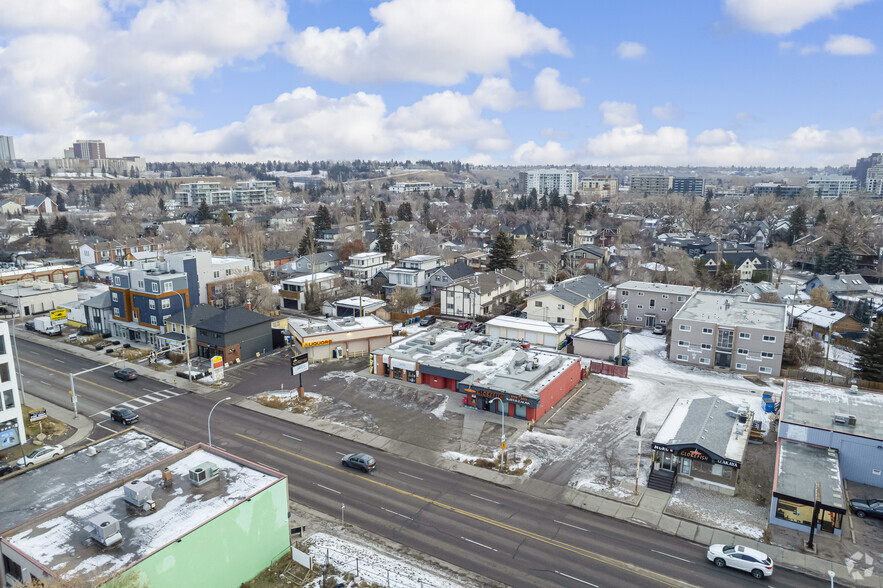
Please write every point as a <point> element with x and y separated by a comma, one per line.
<point>551,341</point>
<point>530,337</point>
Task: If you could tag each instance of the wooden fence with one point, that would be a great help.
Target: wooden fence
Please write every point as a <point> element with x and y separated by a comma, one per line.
<point>608,369</point>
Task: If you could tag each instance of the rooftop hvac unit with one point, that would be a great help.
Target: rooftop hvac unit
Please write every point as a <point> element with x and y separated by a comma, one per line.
<point>204,472</point>
<point>139,494</point>
<point>104,529</point>
<point>844,419</point>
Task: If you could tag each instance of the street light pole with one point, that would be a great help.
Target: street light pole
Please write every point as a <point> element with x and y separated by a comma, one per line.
<point>186,340</point>
<point>502,431</point>
<point>210,419</point>
<point>73,390</point>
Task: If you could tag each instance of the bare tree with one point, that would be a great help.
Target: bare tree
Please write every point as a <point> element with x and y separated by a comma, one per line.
<point>782,255</point>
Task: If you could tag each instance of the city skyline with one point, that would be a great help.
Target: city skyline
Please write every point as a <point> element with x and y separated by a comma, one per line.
<point>496,82</point>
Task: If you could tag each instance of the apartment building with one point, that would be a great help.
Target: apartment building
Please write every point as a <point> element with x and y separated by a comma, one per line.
<point>87,149</point>
<point>254,193</point>
<point>650,184</point>
<point>142,299</point>
<point>364,266</point>
<point>12,426</point>
<point>195,193</point>
<point>874,179</point>
<point>118,250</point>
<point>688,185</point>
<point>647,304</point>
<point>413,272</point>
<point>546,180</point>
<point>729,332</point>
<point>209,276</point>
<point>598,187</point>
<point>293,291</point>
<point>832,185</point>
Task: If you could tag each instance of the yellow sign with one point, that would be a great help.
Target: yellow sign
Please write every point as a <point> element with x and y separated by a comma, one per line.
<point>217,361</point>
<point>316,343</point>
<point>503,446</point>
<point>59,314</point>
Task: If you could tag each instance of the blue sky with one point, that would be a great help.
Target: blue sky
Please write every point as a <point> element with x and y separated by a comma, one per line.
<point>525,82</point>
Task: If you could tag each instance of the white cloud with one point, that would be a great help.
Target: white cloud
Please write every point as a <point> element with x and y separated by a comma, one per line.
<point>550,94</point>
<point>551,153</point>
<point>792,47</point>
<point>619,114</point>
<point>633,145</point>
<point>631,50</point>
<point>849,45</point>
<point>497,94</point>
<point>876,119</point>
<point>48,16</point>
<point>429,41</point>
<point>667,112</point>
<point>783,16</point>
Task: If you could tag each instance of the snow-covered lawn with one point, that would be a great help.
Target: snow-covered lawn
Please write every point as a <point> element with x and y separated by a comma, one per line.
<point>730,513</point>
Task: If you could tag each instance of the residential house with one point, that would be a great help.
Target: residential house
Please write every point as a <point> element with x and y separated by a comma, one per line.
<point>477,260</point>
<point>176,333</point>
<point>584,236</point>
<point>99,313</point>
<point>522,232</point>
<point>364,266</point>
<point>273,258</point>
<point>543,265</point>
<point>235,334</point>
<point>325,261</point>
<point>293,291</point>
<point>845,290</point>
<point>480,294</point>
<point>10,208</point>
<point>530,331</point>
<point>285,221</point>
<point>413,272</point>
<point>784,291</point>
<point>729,332</point>
<point>589,258</point>
<point>819,322</point>
<point>693,244</point>
<point>445,275</point>
<point>746,265</point>
<point>577,302</point>
<point>118,251</point>
<point>37,204</point>
<point>647,304</point>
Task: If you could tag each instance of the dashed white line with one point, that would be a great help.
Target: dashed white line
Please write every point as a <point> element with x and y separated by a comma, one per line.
<point>671,556</point>
<point>327,488</point>
<point>483,498</point>
<point>45,383</point>
<point>477,543</point>
<point>291,437</point>
<point>58,360</point>
<point>396,513</point>
<point>575,578</point>
<point>339,453</point>
<point>572,526</point>
<point>411,475</point>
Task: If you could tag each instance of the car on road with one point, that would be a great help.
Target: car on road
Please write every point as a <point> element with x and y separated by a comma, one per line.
<point>867,508</point>
<point>464,325</point>
<point>125,374</point>
<point>755,562</point>
<point>6,469</point>
<point>479,327</point>
<point>360,461</point>
<point>30,326</point>
<point>124,415</point>
<point>659,330</point>
<point>39,455</point>
<point>427,320</point>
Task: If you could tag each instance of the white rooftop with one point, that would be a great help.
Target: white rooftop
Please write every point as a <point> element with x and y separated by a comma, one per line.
<point>35,269</point>
<point>814,405</point>
<point>655,287</point>
<point>525,324</point>
<point>313,327</point>
<point>317,277</point>
<point>359,301</point>
<point>732,310</point>
<point>815,315</point>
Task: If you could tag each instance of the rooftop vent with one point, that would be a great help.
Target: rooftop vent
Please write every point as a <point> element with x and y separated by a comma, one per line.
<point>203,473</point>
<point>104,529</point>
<point>139,494</point>
<point>844,419</point>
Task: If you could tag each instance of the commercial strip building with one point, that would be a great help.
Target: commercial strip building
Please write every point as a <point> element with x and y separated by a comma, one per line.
<point>36,297</point>
<point>138,511</point>
<point>827,434</point>
<point>647,304</point>
<point>546,180</point>
<point>729,332</point>
<point>60,274</point>
<point>325,339</point>
<point>12,426</point>
<point>492,374</point>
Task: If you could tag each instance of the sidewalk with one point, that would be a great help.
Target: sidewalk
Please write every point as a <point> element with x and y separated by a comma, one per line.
<point>648,511</point>
<point>83,425</point>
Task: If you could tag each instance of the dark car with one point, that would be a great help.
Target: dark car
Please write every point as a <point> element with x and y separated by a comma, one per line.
<point>867,508</point>
<point>360,461</point>
<point>126,374</point>
<point>29,326</point>
<point>478,327</point>
<point>427,320</point>
<point>463,325</point>
<point>6,469</point>
<point>124,415</point>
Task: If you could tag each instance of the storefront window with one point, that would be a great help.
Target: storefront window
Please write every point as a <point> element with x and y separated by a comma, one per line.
<point>686,465</point>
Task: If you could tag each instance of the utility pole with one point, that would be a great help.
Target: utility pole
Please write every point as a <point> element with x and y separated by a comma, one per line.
<point>827,348</point>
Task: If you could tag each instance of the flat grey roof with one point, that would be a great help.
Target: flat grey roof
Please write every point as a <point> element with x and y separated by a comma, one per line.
<point>733,310</point>
<point>800,466</point>
<point>58,482</point>
<point>814,405</point>
<point>655,287</point>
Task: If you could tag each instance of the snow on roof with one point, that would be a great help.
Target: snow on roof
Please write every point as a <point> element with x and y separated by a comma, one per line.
<point>815,315</point>
<point>656,287</point>
<point>814,405</point>
<point>59,540</point>
<point>732,310</point>
<point>35,269</point>
<point>310,278</point>
<point>359,301</point>
<point>314,327</point>
<point>801,465</point>
<point>709,423</point>
<point>106,267</point>
<point>525,324</point>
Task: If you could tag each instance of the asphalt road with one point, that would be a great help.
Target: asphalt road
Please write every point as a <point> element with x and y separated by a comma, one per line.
<point>510,537</point>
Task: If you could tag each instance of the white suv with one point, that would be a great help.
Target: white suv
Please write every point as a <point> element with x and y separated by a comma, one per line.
<point>757,563</point>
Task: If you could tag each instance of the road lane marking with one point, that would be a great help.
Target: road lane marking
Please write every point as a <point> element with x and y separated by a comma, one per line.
<point>671,556</point>
<point>396,513</point>
<point>46,383</point>
<point>607,560</point>
<point>327,488</point>
<point>58,360</point>
<point>483,498</point>
<point>574,578</point>
<point>411,476</point>
<point>67,375</point>
<point>477,543</point>
<point>127,405</point>
<point>339,453</point>
<point>573,526</point>
<point>291,437</point>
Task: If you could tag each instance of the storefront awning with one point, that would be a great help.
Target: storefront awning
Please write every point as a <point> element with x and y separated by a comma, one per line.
<point>402,364</point>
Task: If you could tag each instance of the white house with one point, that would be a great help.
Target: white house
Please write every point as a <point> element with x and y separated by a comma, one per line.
<point>413,272</point>
<point>364,266</point>
<point>480,294</point>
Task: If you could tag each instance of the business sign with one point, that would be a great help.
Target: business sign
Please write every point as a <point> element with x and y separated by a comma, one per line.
<point>38,415</point>
<point>300,363</point>
<point>515,399</point>
<point>57,315</point>
<point>316,343</point>
<point>217,368</point>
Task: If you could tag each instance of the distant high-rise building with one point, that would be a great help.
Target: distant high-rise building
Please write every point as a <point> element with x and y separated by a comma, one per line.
<point>863,164</point>
<point>688,185</point>
<point>832,186</point>
<point>874,180</point>
<point>546,180</point>
<point>650,184</point>
<point>89,149</point>
<point>7,150</point>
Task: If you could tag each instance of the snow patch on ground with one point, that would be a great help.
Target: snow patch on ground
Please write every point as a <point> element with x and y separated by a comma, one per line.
<point>730,513</point>
<point>439,411</point>
<point>350,377</point>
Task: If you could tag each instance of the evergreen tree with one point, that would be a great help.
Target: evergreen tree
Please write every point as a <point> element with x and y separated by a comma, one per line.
<point>384,237</point>
<point>203,213</point>
<point>308,243</point>
<point>225,219</point>
<point>323,220</point>
<point>839,259</point>
<point>41,229</point>
<point>821,217</point>
<point>161,204</point>
<point>862,312</point>
<point>706,208</point>
<point>59,201</point>
<point>796,224</point>
<point>502,253</point>
<point>59,226</point>
<point>870,355</point>
<point>404,212</point>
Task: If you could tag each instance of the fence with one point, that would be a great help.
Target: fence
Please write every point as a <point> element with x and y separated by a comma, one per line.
<point>607,369</point>
<point>368,570</point>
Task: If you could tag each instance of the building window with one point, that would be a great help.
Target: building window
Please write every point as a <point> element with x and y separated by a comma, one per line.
<point>229,272</point>
<point>538,304</point>
<point>681,298</point>
<point>682,357</point>
<point>742,351</point>
<point>12,569</point>
<point>152,304</point>
<point>707,331</point>
<point>704,361</point>
<point>706,346</point>
<point>625,305</point>
<point>4,372</point>
<point>116,311</point>
<point>683,343</point>
<point>560,320</point>
<point>640,307</point>
<point>450,306</point>
<point>766,355</point>
<point>167,286</point>
<point>166,303</point>
<point>114,297</point>
<point>152,320</point>
<point>745,335</point>
<point>741,366</point>
<point>217,275</point>
<point>639,318</point>
<point>625,292</point>
<point>686,328</point>
<point>765,370</point>
<point>154,287</point>
<point>2,345</point>
<point>769,338</point>
<point>560,307</point>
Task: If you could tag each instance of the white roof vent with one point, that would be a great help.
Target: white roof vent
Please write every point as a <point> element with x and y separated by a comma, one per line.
<point>139,494</point>
<point>203,473</point>
<point>104,529</point>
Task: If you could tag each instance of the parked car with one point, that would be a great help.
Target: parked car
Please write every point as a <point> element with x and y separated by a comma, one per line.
<point>360,461</point>
<point>479,327</point>
<point>659,330</point>
<point>755,562</point>
<point>867,508</point>
<point>124,415</point>
<point>6,469</point>
<point>427,320</point>
<point>463,325</point>
<point>125,374</point>
<point>30,326</point>
<point>39,455</point>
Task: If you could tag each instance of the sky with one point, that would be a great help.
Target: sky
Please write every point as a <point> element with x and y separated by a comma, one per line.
<point>513,82</point>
